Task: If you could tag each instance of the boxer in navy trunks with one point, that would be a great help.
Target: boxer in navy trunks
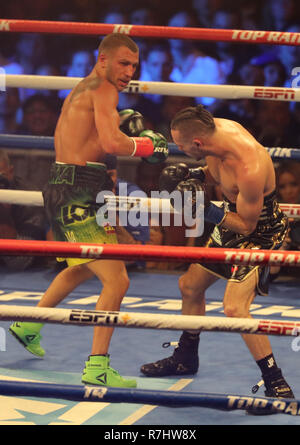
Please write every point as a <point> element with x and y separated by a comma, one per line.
<point>249,218</point>
<point>270,232</point>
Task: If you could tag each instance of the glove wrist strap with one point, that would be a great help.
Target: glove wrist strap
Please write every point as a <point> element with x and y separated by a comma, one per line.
<point>215,214</point>
<point>143,147</point>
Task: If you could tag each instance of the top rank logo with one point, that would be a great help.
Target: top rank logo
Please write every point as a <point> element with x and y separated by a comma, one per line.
<point>122,29</point>
<point>91,251</point>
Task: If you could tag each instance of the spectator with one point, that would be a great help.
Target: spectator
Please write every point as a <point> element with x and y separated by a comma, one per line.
<point>250,12</point>
<point>18,221</point>
<point>227,52</point>
<point>288,182</point>
<point>31,52</point>
<point>143,15</point>
<point>252,75</point>
<point>279,14</point>
<point>115,15</point>
<point>191,65</point>
<point>157,67</point>
<point>288,192</point>
<point>40,114</point>
<point>274,73</point>
<point>7,56</point>
<point>69,42</point>
<point>275,124</point>
<point>273,68</point>
<point>231,57</point>
<point>243,110</point>
<point>81,65</point>
<point>205,10</point>
<point>290,56</point>
<point>45,70</point>
<point>9,105</point>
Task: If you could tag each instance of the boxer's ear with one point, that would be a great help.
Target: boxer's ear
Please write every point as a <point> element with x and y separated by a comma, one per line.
<point>197,142</point>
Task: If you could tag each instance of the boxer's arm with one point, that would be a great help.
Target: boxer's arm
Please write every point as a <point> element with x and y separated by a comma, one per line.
<point>107,121</point>
<point>209,179</point>
<point>249,205</point>
<point>152,146</point>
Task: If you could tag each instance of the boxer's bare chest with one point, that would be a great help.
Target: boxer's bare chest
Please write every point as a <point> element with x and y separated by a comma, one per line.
<point>226,177</point>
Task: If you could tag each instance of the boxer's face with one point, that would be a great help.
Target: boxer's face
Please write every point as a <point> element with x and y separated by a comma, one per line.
<point>190,145</point>
<point>121,65</point>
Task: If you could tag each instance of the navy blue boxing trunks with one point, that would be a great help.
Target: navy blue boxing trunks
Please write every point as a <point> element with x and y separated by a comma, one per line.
<point>270,232</point>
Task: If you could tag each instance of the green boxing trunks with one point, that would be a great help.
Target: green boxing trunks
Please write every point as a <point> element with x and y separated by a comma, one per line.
<point>270,232</point>
<point>71,208</point>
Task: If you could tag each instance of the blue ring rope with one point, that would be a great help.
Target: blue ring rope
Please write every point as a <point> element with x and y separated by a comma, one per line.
<point>47,142</point>
<point>149,397</point>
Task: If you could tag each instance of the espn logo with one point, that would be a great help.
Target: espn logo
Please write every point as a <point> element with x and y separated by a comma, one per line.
<point>274,93</point>
<point>290,211</point>
<point>277,327</point>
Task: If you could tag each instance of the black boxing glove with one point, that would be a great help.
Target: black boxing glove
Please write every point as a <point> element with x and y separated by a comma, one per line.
<point>190,202</point>
<point>212,212</point>
<point>131,122</point>
<point>173,174</point>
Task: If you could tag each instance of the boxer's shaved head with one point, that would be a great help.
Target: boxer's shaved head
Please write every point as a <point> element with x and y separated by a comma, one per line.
<point>112,42</point>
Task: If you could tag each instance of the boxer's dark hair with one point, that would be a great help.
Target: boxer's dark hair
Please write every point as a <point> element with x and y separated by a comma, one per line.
<point>192,119</point>
<point>114,41</point>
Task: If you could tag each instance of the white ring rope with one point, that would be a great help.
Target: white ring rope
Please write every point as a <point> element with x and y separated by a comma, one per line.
<point>81,317</point>
<point>163,88</point>
<point>153,205</point>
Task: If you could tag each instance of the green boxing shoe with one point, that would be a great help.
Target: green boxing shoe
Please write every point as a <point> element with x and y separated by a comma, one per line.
<point>98,372</point>
<point>28,336</point>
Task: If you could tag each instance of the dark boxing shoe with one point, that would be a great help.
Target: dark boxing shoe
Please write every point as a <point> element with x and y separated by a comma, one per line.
<point>276,387</point>
<point>171,366</point>
<point>184,361</point>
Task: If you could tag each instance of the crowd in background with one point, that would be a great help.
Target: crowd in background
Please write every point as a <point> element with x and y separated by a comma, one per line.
<point>273,123</point>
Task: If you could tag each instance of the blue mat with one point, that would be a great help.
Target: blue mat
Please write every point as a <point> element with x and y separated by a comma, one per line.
<point>226,366</point>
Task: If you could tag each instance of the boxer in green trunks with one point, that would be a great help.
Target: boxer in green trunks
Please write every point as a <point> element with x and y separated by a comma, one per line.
<point>88,128</point>
<point>70,202</point>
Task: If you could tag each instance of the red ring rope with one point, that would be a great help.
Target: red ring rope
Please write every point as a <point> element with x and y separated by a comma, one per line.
<point>150,253</point>
<point>169,32</point>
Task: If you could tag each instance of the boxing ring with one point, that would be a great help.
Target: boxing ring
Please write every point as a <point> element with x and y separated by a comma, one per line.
<point>49,391</point>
